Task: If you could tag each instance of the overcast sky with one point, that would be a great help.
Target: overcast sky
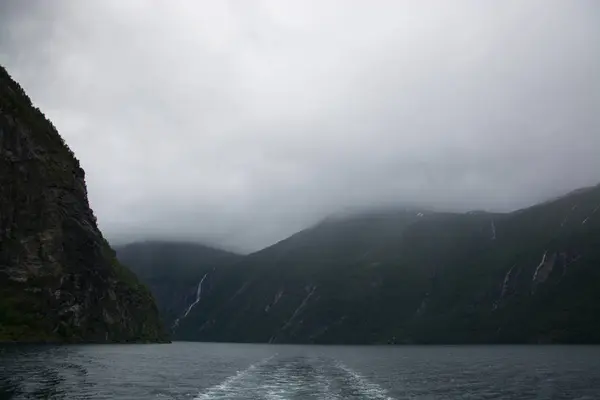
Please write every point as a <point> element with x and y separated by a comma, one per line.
<point>241,122</point>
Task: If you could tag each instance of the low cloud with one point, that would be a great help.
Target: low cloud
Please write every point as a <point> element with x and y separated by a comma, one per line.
<point>241,122</point>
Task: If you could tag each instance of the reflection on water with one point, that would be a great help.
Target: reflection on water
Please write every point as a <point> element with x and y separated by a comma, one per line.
<point>196,371</point>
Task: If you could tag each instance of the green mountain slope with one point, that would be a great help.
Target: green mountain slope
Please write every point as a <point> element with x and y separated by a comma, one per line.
<point>416,277</point>
<point>59,279</point>
<point>173,271</point>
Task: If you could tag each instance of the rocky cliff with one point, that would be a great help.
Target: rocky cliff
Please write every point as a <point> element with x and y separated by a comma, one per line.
<point>59,278</point>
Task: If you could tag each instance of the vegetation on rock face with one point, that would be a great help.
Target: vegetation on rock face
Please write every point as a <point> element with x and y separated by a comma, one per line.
<point>59,279</point>
<point>172,271</point>
<point>529,276</point>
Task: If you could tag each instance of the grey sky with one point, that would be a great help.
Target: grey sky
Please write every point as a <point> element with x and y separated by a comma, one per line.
<point>240,122</point>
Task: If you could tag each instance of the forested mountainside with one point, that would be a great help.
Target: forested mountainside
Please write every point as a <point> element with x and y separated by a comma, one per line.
<point>410,276</point>
<point>59,279</point>
<point>173,272</point>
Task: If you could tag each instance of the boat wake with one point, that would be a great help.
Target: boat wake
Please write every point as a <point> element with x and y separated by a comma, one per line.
<point>296,378</point>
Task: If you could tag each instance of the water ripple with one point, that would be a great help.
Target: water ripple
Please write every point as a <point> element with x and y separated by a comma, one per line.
<point>197,371</point>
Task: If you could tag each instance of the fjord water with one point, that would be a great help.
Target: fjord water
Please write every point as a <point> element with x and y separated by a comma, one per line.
<point>243,371</point>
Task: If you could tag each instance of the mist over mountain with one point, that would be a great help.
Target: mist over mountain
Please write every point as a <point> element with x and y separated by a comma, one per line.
<point>403,276</point>
<point>240,123</point>
<point>292,199</point>
<point>316,137</point>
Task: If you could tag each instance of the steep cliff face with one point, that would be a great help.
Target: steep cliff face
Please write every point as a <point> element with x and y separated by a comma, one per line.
<point>59,279</point>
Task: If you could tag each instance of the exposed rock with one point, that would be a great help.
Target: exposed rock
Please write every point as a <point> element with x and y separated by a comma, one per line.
<point>56,269</point>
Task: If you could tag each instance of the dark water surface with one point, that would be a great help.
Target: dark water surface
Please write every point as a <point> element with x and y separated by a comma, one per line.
<point>240,371</point>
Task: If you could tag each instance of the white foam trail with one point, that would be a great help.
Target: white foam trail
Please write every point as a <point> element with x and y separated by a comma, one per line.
<point>227,388</point>
<point>368,390</point>
<point>285,381</point>
<point>324,384</point>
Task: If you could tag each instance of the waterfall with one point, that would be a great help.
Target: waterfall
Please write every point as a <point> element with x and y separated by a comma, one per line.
<point>198,296</point>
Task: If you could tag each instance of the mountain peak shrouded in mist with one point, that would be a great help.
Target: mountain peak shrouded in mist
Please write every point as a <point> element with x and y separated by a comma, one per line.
<point>529,276</point>
<point>289,189</point>
<point>240,123</point>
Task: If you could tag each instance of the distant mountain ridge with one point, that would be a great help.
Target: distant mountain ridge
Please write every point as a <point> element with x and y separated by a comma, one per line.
<point>411,276</point>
